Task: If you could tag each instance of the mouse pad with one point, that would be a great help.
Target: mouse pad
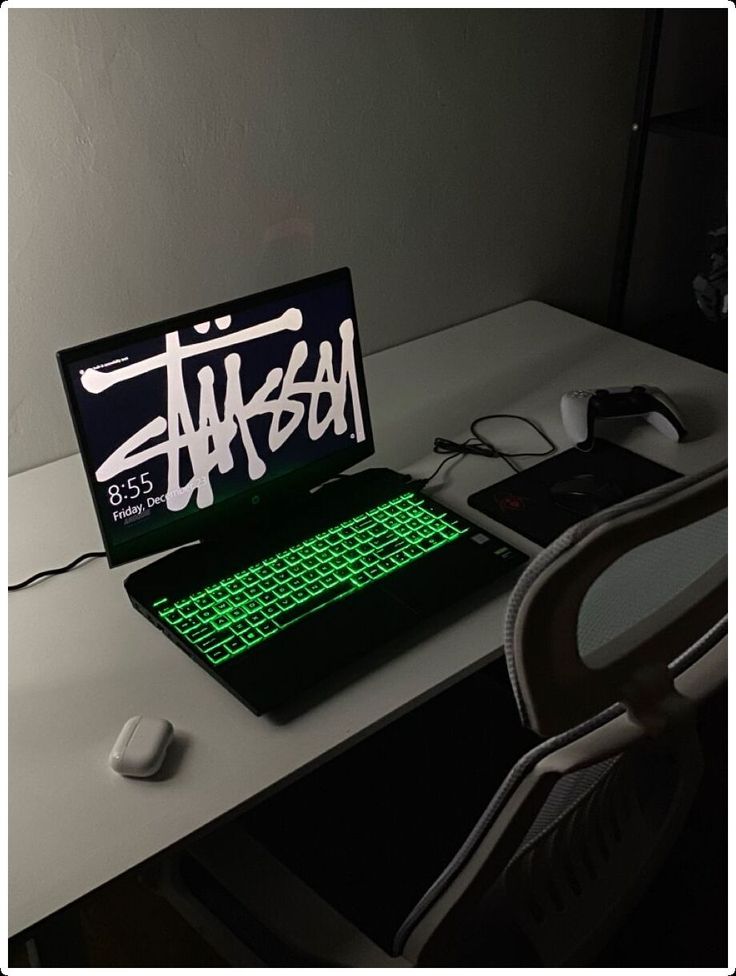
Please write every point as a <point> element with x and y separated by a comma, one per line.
<point>549,497</point>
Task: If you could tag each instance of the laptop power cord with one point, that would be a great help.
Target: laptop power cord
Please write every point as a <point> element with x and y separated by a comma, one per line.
<point>44,574</point>
<point>479,444</point>
<point>55,572</point>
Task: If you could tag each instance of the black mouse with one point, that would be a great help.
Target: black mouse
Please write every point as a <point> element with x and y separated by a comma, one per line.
<point>586,494</point>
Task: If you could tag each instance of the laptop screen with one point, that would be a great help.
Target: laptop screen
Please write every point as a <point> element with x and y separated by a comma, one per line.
<point>183,422</point>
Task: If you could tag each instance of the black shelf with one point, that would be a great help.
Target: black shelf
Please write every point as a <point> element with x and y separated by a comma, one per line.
<point>709,119</point>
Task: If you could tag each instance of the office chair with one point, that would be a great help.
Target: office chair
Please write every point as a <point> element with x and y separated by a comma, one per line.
<point>614,636</point>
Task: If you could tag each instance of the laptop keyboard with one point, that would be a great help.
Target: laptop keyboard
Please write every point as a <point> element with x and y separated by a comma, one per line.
<point>241,611</point>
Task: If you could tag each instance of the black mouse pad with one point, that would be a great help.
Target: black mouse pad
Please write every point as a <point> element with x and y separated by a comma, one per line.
<point>549,497</point>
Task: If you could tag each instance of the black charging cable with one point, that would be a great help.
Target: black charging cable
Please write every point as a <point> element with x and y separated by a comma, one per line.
<point>56,572</point>
<point>479,444</point>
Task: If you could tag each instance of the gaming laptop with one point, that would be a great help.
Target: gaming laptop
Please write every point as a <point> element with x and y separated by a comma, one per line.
<point>224,435</point>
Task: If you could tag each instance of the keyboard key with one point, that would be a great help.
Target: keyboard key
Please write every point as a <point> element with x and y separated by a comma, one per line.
<point>270,609</point>
<point>208,643</point>
<point>389,548</point>
<point>173,617</point>
<point>301,609</point>
<point>188,626</point>
<point>235,645</point>
<point>254,572</point>
<point>198,633</point>
<point>219,655</point>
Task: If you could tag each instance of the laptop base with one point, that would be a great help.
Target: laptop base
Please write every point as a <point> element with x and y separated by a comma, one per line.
<point>277,669</point>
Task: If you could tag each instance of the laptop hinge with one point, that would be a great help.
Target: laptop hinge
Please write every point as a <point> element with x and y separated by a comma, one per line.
<point>300,510</point>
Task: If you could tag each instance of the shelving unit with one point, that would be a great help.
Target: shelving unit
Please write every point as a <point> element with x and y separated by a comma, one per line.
<point>675,185</point>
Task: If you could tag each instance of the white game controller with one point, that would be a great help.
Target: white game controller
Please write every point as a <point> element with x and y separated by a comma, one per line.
<point>581,409</point>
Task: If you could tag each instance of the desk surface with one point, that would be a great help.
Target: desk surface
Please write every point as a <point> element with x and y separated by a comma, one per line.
<point>81,661</point>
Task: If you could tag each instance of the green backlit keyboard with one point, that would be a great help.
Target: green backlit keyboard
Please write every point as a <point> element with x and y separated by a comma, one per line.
<point>246,608</point>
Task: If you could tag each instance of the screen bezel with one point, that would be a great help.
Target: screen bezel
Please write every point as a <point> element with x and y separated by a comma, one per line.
<point>219,517</point>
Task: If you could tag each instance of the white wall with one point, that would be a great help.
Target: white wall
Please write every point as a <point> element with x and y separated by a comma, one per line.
<point>163,160</point>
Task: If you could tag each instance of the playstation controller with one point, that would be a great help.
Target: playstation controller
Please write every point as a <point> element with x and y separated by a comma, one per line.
<point>581,409</point>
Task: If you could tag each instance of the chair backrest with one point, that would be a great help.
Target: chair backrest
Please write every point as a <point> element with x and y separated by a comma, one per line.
<point>556,687</point>
<point>581,821</point>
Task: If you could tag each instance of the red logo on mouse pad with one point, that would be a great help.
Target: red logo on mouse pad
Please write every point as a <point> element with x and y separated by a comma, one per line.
<point>510,502</point>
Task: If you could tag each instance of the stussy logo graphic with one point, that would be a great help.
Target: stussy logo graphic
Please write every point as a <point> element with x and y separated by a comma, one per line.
<point>209,440</point>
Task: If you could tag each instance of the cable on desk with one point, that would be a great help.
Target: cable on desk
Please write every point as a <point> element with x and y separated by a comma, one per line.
<point>480,445</point>
<point>56,572</point>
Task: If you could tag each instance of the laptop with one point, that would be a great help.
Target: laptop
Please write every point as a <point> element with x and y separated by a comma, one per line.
<point>221,438</point>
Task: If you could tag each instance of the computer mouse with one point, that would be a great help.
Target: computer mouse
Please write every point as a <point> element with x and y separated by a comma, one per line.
<point>586,494</point>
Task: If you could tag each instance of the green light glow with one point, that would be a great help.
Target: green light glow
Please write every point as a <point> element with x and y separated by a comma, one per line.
<point>245,609</point>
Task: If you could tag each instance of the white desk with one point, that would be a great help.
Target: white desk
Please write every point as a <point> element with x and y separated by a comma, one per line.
<point>82,660</point>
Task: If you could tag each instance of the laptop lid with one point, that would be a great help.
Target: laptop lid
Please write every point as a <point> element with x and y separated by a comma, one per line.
<point>184,423</point>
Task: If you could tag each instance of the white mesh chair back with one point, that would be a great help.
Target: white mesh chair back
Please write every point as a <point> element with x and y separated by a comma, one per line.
<point>614,634</point>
